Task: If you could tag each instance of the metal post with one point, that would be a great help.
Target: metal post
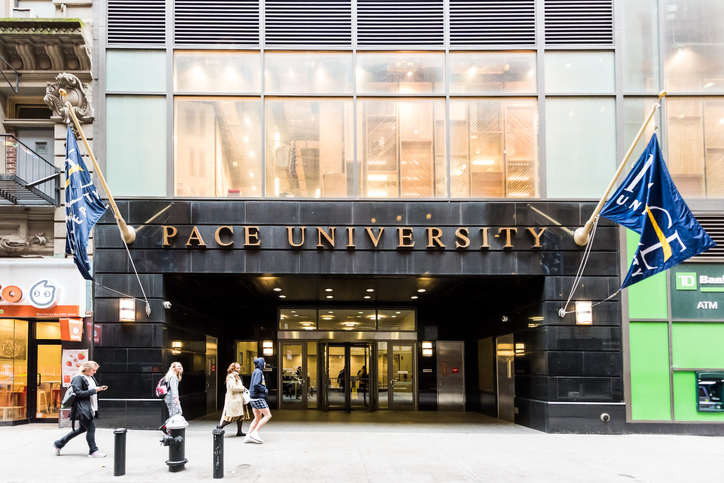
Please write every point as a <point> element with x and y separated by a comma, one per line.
<point>218,453</point>
<point>119,452</point>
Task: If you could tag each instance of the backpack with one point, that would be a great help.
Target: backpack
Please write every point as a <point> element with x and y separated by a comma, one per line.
<point>68,398</point>
<point>162,387</point>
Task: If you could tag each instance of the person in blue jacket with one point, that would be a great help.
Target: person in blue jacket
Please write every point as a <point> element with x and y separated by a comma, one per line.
<point>257,393</point>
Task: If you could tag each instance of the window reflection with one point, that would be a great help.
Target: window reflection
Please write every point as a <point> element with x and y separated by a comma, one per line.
<point>297,319</point>
<point>396,320</point>
<point>309,148</point>
<point>400,72</point>
<point>492,72</point>
<point>494,148</point>
<point>640,46</point>
<point>218,147</point>
<point>308,72</point>
<point>210,71</point>
<point>347,320</point>
<point>401,148</point>
<point>579,72</point>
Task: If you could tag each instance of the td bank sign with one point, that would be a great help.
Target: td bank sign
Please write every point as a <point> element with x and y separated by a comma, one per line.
<point>699,292</point>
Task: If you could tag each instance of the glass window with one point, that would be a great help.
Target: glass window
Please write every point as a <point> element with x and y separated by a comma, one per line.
<point>635,110</point>
<point>492,72</point>
<point>695,131</point>
<point>580,146</point>
<point>347,319</point>
<point>247,351</point>
<point>136,145</point>
<point>396,320</point>
<point>218,147</point>
<point>640,46</point>
<point>401,148</point>
<point>309,148</point>
<point>47,330</point>
<point>13,369</point>
<point>297,319</point>
<point>694,46</point>
<point>494,148</point>
<point>400,72</point>
<point>308,72</point>
<point>135,71</point>
<point>210,71</point>
<point>579,72</point>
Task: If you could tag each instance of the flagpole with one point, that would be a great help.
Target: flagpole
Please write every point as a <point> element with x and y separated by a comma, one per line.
<point>129,234</point>
<point>582,235</point>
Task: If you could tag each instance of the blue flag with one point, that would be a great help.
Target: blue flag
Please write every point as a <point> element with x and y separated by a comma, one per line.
<point>83,206</point>
<point>648,203</point>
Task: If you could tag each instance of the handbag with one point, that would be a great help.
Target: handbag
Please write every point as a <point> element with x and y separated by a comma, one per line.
<point>246,396</point>
<point>68,398</point>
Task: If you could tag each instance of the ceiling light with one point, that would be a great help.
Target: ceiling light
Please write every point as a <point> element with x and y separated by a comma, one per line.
<point>398,312</point>
<point>421,290</point>
<point>367,297</point>
<point>296,315</point>
<point>294,311</point>
<point>327,317</point>
<point>277,289</point>
<point>330,296</point>
<point>282,296</point>
<point>414,297</point>
<point>331,311</point>
<point>327,289</point>
<point>360,312</point>
<point>370,290</point>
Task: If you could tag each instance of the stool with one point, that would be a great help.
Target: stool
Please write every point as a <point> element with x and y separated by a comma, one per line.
<point>42,396</point>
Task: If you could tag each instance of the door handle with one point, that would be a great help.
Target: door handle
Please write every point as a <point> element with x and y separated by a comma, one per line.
<point>40,380</point>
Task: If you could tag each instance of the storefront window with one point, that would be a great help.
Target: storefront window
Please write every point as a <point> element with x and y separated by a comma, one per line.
<point>481,72</point>
<point>308,73</point>
<point>694,46</point>
<point>640,46</point>
<point>579,72</point>
<point>218,147</point>
<point>309,148</point>
<point>695,131</point>
<point>136,71</point>
<point>400,72</point>
<point>209,71</point>
<point>494,148</point>
<point>13,369</point>
<point>396,320</point>
<point>297,319</point>
<point>401,148</point>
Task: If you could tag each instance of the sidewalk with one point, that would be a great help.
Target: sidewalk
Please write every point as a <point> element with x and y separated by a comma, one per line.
<point>371,447</point>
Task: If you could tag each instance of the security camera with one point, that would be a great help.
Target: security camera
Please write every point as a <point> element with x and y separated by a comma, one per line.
<point>605,417</point>
<point>166,304</point>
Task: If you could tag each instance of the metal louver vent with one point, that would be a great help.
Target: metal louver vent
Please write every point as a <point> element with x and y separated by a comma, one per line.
<point>714,226</point>
<point>217,22</point>
<point>314,23</point>
<point>400,23</point>
<point>579,22</point>
<point>136,21</point>
<point>492,22</point>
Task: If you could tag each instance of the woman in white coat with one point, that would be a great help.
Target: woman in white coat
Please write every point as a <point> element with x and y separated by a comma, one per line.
<point>234,407</point>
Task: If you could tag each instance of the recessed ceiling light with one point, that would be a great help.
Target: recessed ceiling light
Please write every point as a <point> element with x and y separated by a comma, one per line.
<point>294,311</point>
<point>367,297</point>
<point>296,315</point>
<point>331,311</point>
<point>360,312</point>
<point>327,289</point>
<point>413,297</point>
<point>394,316</point>
<point>277,289</point>
<point>370,290</point>
<point>282,296</point>
<point>330,297</point>
<point>421,290</point>
<point>397,312</point>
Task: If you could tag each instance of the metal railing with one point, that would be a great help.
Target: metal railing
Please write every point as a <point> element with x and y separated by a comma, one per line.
<point>25,176</point>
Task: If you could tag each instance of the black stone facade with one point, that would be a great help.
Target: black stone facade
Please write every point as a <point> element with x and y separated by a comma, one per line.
<point>566,377</point>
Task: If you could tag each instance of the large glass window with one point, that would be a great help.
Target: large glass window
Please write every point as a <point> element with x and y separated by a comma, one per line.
<point>308,73</point>
<point>135,71</point>
<point>218,147</point>
<point>579,72</point>
<point>401,148</point>
<point>494,148</point>
<point>297,319</point>
<point>640,46</point>
<point>338,319</point>
<point>400,72</point>
<point>309,148</point>
<point>580,146</point>
<point>13,369</point>
<point>136,145</point>
<point>210,71</point>
<point>694,46</point>
<point>695,129</point>
<point>481,72</point>
<point>635,111</point>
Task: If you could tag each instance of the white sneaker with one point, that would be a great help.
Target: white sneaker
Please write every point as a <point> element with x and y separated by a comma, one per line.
<point>255,436</point>
<point>97,454</point>
<point>57,450</point>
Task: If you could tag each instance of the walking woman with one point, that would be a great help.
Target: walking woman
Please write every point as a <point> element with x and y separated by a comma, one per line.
<point>234,407</point>
<point>84,410</point>
<point>173,377</point>
<point>258,392</point>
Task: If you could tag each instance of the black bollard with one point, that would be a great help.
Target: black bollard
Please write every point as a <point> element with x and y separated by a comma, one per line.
<point>119,452</point>
<point>218,453</point>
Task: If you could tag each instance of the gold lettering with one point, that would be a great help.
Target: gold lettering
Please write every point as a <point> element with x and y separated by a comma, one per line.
<point>371,234</point>
<point>536,236</point>
<point>507,235</point>
<point>433,237</point>
<point>462,234</point>
<point>168,233</point>
<point>405,235</point>
<point>217,235</point>
<point>350,237</point>
<point>290,236</point>
<point>195,236</point>
<point>251,236</point>
<point>485,237</point>
<point>330,239</point>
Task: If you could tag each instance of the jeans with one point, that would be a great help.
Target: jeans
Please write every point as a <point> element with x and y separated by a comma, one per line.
<point>87,426</point>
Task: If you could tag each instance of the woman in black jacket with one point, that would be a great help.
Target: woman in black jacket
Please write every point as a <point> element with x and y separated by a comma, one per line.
<point>84,409</point>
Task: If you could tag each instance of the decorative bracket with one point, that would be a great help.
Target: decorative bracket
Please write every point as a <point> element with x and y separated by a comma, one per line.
<point>78,94</point>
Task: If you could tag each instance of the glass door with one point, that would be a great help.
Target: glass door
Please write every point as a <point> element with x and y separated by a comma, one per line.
<point>348,377</point>
<point>293,374</point>
<point>45,363</point>
<point>359,363</point>
<point>337,376</point>
<point>402,376</point>
<point>13,369</point>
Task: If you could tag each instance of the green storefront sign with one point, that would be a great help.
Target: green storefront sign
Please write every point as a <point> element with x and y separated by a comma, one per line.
<point>697,292</point>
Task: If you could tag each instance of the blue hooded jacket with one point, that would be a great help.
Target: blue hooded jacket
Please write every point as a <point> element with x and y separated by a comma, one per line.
<point>257,387</point>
